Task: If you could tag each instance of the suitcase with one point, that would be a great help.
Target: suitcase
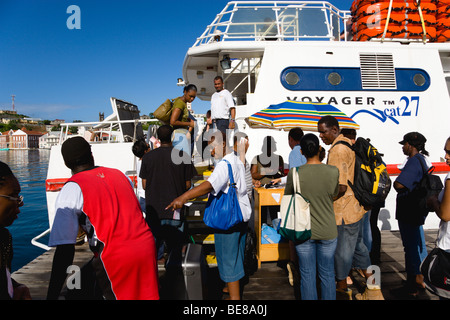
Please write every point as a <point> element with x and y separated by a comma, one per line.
<point>187,280</point>
<point>194,271</point>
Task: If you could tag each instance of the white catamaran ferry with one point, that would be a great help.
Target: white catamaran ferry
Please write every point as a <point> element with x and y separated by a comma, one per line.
<point>270,52</point>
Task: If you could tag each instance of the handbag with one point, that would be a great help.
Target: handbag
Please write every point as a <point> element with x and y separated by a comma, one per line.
<point>295,222</point>
<point>223,210</point>
<point>436,272</point>
<point>164,111</point>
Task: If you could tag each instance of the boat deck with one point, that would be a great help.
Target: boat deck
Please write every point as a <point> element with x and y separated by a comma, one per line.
<point>268,283</point>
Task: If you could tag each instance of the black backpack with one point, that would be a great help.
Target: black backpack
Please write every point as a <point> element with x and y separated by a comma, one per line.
<point>371,184</point>
<point>411,205</point>
<point>428,186</point>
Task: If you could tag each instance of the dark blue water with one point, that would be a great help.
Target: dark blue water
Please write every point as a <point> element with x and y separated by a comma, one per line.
<point>30,168</point>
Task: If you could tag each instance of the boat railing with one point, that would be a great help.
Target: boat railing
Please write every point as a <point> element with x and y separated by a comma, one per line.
<point>114,131</point>
<point>277,21</point>
<point>36,243</point>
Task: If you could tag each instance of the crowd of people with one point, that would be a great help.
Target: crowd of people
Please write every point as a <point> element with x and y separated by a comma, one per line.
<point>129,234</point>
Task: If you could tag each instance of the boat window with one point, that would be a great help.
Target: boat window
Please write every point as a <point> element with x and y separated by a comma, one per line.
<point>336,26</point>
<point>281,21</point>
<point>292,22</point>
<point>312,22</point>
<point>254,22</point>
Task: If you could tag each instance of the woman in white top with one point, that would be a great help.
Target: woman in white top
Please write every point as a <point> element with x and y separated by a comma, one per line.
<point>230,245</point>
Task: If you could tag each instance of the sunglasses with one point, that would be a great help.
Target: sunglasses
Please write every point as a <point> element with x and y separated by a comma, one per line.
<point>19,200</point>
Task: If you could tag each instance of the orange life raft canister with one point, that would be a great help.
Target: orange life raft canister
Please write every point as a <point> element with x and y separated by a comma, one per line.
<point>406,21</point>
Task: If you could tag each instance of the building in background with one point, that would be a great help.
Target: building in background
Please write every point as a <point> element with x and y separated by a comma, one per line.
<point>5,138</point>
<point>50,139</point>
<point>25,139</point>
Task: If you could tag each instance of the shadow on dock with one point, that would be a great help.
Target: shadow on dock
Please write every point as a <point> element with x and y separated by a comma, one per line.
<point>270,282</point>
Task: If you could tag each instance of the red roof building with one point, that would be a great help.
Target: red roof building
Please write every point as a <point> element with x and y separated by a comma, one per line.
<point>25,139</point>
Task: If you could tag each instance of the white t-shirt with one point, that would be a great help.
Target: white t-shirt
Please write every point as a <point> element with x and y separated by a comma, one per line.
<point>69,208</point>
<point>443,239</point>
<point>220,181</point>
<point>140,189</point>
<point>221,102</point>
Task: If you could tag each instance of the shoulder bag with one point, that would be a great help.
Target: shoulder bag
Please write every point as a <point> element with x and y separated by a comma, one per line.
<point>164,111</point>
<point>223,210</point>
<point>295,222</point>
<point>436,272</point>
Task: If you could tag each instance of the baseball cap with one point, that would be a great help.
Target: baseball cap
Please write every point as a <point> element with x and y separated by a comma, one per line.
<point>414,138</point>
<point>75,149</point>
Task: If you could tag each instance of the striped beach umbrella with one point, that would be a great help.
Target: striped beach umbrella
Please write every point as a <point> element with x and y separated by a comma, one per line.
<point>291,114</point>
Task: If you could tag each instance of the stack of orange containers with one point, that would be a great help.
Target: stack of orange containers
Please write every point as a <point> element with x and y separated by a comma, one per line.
<point>443,20</point>
<point>370,17</point>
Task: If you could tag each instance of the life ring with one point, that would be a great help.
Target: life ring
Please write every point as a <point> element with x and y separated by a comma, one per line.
<point>442,2</point>
<point>359,3</point>
<point>369,9</point>
<point>397,32</point>
<point>354,7</point>
<point>396,19</point>
<point>443,14</point>
<point>443,8</point>
<point>414,29</point>
<point>443,22</point>
<point>443,35</point>
<point>354,27</point>
<point>442,17</point>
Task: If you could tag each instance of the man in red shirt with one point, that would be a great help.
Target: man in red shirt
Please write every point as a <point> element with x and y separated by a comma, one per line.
<point>103,202</point>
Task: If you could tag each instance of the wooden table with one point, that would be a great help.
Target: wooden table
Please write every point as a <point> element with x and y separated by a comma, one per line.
<point>275,251</point>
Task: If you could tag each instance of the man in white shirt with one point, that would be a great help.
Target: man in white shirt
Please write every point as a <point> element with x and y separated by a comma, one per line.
<point>229,245</point>
<point>223,111</point>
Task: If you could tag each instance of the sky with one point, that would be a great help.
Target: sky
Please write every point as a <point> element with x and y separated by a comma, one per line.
<point>132,50</point>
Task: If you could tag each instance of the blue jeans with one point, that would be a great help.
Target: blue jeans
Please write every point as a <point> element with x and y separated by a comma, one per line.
<point>413,239</point>
<point>142,204</point>
<point>318,253</point>
<point>350,250</point>
<point>367,231</point>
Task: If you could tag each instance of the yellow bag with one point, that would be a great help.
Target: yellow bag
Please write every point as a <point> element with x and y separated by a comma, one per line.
<point>164,111</point>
